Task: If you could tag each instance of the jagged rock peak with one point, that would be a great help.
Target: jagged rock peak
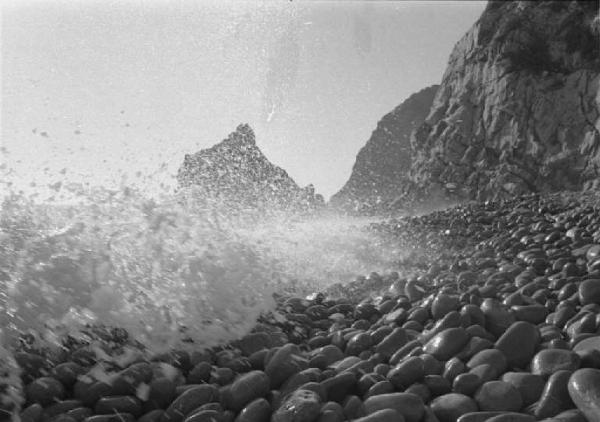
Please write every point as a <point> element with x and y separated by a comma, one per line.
<point>383,164</point>
<point>243,134</point>
<point>236,174</point>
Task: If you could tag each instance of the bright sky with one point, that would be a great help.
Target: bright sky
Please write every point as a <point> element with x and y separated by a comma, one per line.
<point>102,87</point>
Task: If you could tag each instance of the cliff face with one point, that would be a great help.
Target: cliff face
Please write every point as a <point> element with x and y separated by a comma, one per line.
<point>235,173</point>
<point>518,107</point>
<point>382,165</point>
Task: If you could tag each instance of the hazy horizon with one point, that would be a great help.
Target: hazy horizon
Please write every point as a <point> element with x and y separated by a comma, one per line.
<point>103,88</point>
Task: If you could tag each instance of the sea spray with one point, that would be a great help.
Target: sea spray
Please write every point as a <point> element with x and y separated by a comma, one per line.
<point>170,270</point>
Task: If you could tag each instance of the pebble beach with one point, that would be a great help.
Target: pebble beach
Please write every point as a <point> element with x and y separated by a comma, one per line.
<point>493,317</point>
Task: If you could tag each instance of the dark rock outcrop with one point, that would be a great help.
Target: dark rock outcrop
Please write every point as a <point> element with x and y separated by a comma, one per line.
<point>236,174</point>
<point>518,107</point>
<point>383,164</point>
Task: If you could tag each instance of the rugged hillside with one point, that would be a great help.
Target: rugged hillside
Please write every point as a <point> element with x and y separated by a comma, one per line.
<point>382,165</point>
<point>236,174</point>
<point>518,107</point>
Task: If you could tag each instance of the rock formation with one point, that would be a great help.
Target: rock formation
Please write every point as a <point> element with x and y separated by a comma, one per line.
<point>236,174</point>
<point>383,164</point>
<point>517,111</point>
<point>518,107</point>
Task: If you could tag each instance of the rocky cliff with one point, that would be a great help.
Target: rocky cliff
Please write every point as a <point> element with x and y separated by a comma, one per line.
<point>236,174</point>
<point>383,164</point>
<point>518,107</point>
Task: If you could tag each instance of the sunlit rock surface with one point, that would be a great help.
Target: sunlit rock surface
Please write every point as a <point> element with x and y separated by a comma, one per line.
<point>237,174</point>
<point>518,107</point>
<point>382,165</point>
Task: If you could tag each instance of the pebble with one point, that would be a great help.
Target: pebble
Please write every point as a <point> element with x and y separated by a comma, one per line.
<point>120,404</point>
<point>161,392</point>
<point>449,407</point>
<point>300,406</point>
<point>392,342</point>
<point>285,362</point>
<point>453,368</point>
<point>479,416</point>
<point>586,345</point>
<point>498,395</point>
<point>407,372</point>
<point>529,385</point>
<point>32,413</point>
<point>446,344</point>
<point>512,417</point>
<point>382,387</point>
<point>189,400</point>
<point>338,386</point>
<point>474,346</point>
<point>45,391</point>
<point>247,387</point>
<point>572,415</point>
<point>497,317</point>
<point>115,417</point>
<point>493,357</point>
<point>547,362</point>
<point>33,365</point>
<point>437,385</point>
<point>584,389</point>
<point>555,396</point>
<point>204,416</point>
<point>258,410</point>
<point>63,406</point>
<point>67,373</point>
<point>534,314</point>
<point>466,383</point>
<point>518,343</point>
<point>409,405</point>
<point>443,304</point>
<point>353,407</point>
<point>200,373</point>
<point>128,380</point>
<point>589,292</point>
<point>359,343</point>
<point>384,415</point>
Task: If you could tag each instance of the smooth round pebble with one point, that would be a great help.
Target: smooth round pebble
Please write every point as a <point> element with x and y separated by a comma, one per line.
<point>584,389</point>
<point>518,343</point>
<point>409,405</point>
<point>498,395</point>
<point>547,362</point>
<point>449,407</point>
<point>301,405</point>
<point>446,344</point>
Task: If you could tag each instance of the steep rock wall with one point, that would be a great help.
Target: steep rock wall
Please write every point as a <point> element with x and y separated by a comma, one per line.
<point>383,164</point>
<point>518,107</point>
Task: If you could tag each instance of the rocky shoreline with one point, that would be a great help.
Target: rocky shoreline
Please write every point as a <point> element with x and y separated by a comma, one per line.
<point>494,316</point>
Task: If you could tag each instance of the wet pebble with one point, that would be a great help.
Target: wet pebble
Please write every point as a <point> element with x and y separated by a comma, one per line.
<point>547,362</point>
<point>449,407</point>
<point>409,405</point>
<point>300,406</point>
<point>446,344</point>
<point>247,387</point>
<point>584,389</point>
<point>45,391</point>
<point>498,395</point>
